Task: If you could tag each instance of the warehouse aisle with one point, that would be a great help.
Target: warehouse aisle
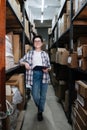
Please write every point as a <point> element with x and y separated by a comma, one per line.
<point>54,117</point>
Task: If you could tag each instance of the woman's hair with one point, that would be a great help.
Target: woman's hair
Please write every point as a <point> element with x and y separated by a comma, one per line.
<point>38,36</point>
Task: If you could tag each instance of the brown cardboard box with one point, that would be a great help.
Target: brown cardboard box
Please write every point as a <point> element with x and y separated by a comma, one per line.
<point>18,81</point>
<point>68,21</point>
<point>79,120</point>
<point>76,5</point>
<point>9,93</point>
<point>62,56</point>
<point>82,40</point>
<point>64,22</point>
<point>82,112</point>
<point>82,88</point>
<point>82,51</point>
<point>16,48</point>
<point>82,101</point>
<point>76,126</point>
<point>9,98</point>
<point>83,64</point>
<point>73,60</point>
<point>68,7</point>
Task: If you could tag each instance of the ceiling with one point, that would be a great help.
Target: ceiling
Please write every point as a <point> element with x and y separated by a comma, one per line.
<point>34,8</point>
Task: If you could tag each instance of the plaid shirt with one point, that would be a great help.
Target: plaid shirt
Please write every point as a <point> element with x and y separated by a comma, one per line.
<point>29,73</point>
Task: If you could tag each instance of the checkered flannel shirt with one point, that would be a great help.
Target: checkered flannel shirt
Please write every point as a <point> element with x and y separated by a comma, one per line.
<point>29,73</point>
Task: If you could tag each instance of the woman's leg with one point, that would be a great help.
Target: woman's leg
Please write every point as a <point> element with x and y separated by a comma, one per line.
<point>37,79</point>
<point>43,92</point>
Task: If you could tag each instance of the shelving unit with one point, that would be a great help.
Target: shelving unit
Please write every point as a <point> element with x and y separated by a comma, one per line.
<point>78,27</point>
<point>10,22</point>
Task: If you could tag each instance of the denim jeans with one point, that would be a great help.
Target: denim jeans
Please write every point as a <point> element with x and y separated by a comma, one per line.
<point>39,90</point>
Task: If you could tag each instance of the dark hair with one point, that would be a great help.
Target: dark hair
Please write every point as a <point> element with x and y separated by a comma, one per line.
<point>38,36</point>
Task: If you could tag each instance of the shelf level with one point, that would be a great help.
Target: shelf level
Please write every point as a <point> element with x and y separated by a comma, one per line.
<point>62,9</point>
<point>12,20</point>
<point>12,69</point>
<point>81,13</point>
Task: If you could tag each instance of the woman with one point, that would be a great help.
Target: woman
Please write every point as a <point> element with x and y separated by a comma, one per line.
<point>37,65</point>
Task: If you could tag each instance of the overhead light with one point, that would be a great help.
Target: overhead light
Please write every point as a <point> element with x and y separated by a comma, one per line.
<point>41,17</point>
<point>42,7</point>
<point>42,10</point>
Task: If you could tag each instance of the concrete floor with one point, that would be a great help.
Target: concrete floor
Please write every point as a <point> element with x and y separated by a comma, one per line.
<point>54,116</point>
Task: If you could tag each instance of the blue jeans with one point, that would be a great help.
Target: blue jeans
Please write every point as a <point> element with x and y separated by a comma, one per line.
<point>39,90</point>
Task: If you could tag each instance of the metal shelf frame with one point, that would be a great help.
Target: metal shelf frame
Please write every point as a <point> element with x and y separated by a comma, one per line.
<point>72,35</point>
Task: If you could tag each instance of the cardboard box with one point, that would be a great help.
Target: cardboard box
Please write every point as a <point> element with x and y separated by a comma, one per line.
<point>81,112</point>
<point>76,126</point>
<point>83,64</point>
<point>9,94</point>
<point>27,48</point>
<point>68,7</point>
<point>82,51</point>
<point>62,56</point>
<point>68,21</point>
<point>16,48</point>
<point>82,101</point>
<point>18,81</point>
<point>64,22</point>
<point>82,40</point>
<point>9,62</point>
<point>73,60</point>
<point>76,5</point>
<point>79,120</point>
<point>82,88</point>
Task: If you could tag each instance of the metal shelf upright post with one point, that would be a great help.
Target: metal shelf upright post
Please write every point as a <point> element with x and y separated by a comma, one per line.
<point>71,82</point>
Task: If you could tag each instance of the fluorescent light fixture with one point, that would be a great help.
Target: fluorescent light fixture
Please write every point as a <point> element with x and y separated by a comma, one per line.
<point>42,10</point>
<point>42,7</point>
<point>42,18</point>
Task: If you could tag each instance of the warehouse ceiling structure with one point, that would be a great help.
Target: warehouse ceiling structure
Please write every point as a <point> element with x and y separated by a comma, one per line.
<point>43,10</point>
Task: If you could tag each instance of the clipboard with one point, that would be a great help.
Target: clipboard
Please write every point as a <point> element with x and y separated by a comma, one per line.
<point>40,67</point>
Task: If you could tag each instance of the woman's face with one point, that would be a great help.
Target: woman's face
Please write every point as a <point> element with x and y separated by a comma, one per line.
<point>37,43</point>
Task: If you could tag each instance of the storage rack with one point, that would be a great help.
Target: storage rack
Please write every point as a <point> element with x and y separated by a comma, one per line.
<point>10,22</point>
<point>78,27</point>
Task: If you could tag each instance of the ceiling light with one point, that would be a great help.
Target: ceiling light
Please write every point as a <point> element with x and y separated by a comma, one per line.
<point>41,17</point>
<point>42,7</point>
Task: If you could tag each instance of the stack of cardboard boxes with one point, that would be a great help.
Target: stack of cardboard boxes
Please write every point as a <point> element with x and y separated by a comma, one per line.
<point>62,56</point>
<point>18,102</point>
<point>15,44</point>
<point>80,109</point>
<point>9,53</point>
<point>78,4</point>
<point>82,53</point>
<point>17,8</point>
<point>18,81</point>
<point>64,21</point>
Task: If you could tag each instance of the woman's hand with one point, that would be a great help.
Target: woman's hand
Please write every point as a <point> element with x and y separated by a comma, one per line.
<point>45,70</point>
<point>27,66</point>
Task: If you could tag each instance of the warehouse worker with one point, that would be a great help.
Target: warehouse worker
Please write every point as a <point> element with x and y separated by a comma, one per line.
<point>37,65</point>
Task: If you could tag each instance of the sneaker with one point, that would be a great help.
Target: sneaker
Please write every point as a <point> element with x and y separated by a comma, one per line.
<point>40,116</point>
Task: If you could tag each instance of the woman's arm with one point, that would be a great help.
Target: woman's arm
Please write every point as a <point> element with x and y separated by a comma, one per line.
<point>24,62</point>
<point>27,66</point>
<point>48,64</point>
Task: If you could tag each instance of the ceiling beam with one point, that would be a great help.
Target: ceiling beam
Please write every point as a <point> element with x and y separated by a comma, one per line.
<point>46,23</point>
